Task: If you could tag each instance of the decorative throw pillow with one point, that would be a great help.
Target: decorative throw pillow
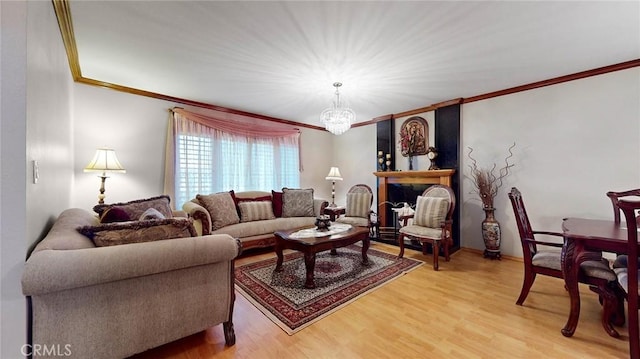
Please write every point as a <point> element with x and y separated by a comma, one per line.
<point>111,234</point>
<point>114,214</point>
<point>255,211</point>
<point>151,213</point>
<point>276,200</point>
<point>358,205</point>
<point>430,211</point>
<point>221,208</point>
<point>136,208</point>
<point>239,200</point>
<point>297,202</point>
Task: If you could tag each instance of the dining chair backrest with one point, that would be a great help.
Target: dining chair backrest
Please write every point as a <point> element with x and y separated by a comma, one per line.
<point>522,220</point>
<point>629,209</point>
<point>615,200</point>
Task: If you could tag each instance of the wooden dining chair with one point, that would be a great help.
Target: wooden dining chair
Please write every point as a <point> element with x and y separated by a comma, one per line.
<point>544,257</point>
<point>615,199</point>
<point>621,260</point>
<point>628,276</point>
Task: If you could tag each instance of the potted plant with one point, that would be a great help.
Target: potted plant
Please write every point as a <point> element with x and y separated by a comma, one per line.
<point>486,183</point>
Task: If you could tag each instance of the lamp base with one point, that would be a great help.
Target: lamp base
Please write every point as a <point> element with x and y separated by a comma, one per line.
<point>332,205</point>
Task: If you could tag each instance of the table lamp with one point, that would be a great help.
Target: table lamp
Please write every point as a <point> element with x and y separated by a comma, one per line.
<point>104,161</point>
<point>333,176</point>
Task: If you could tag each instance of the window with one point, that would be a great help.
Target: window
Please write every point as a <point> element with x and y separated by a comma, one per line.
<point>216,162</point>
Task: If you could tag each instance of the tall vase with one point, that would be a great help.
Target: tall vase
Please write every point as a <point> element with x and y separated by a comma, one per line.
<point>491,234</point>
<point>410,163</point>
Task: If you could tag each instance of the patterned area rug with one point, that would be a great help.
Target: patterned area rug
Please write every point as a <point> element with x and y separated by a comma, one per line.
<point>339,280</point>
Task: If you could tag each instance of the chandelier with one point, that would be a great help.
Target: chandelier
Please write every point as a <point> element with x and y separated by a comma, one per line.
<point>337,119</point>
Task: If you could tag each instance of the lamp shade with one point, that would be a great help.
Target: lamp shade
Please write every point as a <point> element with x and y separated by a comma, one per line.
<point>334,174</point>
<point>105,160</point>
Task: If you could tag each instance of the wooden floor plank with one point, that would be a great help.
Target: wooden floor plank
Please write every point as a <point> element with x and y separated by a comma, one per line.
<point>465,310</point>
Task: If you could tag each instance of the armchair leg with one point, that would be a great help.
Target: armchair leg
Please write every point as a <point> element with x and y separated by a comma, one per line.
<point>436,254</point>
<point>446,243</point>
<point>401,244</point>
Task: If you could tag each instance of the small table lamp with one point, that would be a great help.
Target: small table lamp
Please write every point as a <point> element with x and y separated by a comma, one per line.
<point>333,176</point>
<point>104,161</point>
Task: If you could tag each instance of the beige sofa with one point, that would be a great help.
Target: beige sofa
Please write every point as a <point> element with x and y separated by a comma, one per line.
<point>254,234</point>
<point>115,301</point>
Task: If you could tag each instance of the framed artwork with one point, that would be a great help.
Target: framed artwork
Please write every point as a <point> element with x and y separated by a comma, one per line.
<point>414,137</point>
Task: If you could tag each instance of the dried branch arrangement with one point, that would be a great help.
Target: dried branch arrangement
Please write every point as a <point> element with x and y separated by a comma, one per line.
<point>486,181</point>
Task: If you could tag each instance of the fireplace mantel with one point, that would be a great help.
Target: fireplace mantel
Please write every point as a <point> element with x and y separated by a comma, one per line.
<point>407,177</point>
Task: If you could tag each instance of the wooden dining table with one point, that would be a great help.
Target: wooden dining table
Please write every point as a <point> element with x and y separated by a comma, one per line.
<point>582,236</point>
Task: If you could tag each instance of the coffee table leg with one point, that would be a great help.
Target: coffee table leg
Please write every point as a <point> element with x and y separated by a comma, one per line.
<point>365,248</point>
<point>310,264</point>
<point>278,250</point>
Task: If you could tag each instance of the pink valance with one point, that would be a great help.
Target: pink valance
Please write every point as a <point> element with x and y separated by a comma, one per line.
<point>239,124</point>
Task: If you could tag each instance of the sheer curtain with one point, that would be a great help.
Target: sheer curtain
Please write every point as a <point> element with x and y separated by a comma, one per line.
<point>208,154</point>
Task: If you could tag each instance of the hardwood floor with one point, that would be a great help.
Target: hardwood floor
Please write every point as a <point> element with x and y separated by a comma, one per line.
<point>465,310</point>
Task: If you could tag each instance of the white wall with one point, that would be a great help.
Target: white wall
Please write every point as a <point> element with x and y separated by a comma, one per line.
<point>35,123</point>
<point>13,246</point>
<point>135,126</point>
<point>355,154</point>
<point>49,121</point>
<point>575,141</point>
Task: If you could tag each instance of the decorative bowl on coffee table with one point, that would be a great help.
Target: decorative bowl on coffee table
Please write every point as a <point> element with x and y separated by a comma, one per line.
<point>323,222</point>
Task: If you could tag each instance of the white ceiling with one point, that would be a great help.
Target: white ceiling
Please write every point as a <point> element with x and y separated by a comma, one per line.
<point>280,59</point>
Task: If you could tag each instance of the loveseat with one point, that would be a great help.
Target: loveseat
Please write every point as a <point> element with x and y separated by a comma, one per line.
<point>253,216</point>
<point>118,300</point>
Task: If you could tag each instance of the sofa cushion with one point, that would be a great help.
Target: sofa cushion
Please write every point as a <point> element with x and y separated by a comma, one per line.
<point>111,234</point>
<point>358,205</point>
<point>114,214</point>
<point>221,208</point>
<point>276,200</point>
<point>135,208</point>
<point>297,202</point>
<point>265,227</point>
<point>430,211</point>
<point>255,211</point>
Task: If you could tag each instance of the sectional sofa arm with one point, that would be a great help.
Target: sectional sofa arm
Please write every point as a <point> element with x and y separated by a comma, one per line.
<point>49,271</point>
<point>198,213</point>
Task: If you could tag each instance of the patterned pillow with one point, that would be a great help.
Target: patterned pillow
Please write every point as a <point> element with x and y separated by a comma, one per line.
<point>255,210</point>
<point>276,198</point>
<point>111,234</point>
<point>358,204</point>
<point>297,202</point>
<point>430,211</point>
<point>222,209</point>
<point>136,208</point>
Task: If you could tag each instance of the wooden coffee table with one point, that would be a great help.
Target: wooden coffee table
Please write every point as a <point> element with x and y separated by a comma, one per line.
<point>313,245</point>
